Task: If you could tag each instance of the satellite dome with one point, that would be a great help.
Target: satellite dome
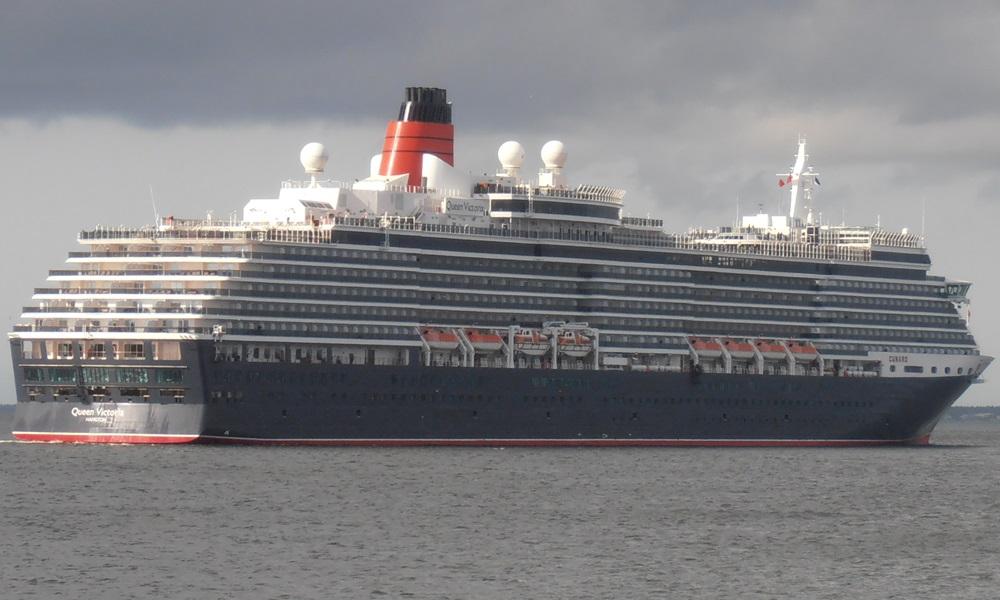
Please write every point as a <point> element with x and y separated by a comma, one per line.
<point>554,154</point>
<point>511,155</point>
<point>313,157</point>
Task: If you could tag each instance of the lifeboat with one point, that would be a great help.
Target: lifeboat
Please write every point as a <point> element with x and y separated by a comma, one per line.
<point>771,350</point>
<point>531,342</point>
<point>484,341</point>
<point>706,348</point>
<point>439,339</point>
<point>740,350</point>
<point>803,351</point>
<point>575,344</point>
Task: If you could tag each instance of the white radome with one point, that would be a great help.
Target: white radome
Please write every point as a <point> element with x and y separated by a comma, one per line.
<point>313,157</point>
<point>511,155</point>
<point>554,154</point>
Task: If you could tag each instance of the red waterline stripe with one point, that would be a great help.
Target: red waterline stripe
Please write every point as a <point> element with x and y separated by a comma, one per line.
<point>214,439</point>
<point>130,438</point>
<point>103,438</point>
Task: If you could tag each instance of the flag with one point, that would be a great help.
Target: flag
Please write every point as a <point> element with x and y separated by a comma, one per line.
<point>783,182</point>
<point>817,181</point>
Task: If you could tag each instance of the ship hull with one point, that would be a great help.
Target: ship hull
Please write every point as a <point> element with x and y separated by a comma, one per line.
<point>324,404</point>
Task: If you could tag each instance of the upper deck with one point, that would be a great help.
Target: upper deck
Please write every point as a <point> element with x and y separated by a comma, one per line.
<point>882,246</point>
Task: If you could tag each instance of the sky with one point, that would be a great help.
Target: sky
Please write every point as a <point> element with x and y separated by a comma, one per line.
<point>107,108</point>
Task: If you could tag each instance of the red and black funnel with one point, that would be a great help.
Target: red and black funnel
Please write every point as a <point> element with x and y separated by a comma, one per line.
<point>424,127</point>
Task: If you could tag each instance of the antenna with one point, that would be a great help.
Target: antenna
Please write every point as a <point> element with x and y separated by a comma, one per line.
<point>152,199</point>
<point>923,219</point>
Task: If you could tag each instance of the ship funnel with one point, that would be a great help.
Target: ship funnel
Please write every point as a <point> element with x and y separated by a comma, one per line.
<point>424,127</point>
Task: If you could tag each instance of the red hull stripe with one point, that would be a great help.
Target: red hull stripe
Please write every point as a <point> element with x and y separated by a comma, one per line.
<point>103,438</point>
<point>132,438</point>
<point>214,439</point>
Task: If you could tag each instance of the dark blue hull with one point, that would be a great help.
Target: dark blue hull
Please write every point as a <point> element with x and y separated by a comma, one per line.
<point>278,403</point>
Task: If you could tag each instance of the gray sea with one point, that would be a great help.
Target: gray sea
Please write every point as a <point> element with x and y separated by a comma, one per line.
<point>222,522</point>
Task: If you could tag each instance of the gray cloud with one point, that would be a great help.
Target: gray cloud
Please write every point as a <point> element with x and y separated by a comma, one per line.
<point>169,63</point>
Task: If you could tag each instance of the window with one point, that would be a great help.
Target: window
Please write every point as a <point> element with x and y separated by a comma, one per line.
<point>913,369</point>
<point>168,376</point>
<point>31,348</point>
<point>62,375</point>
<point>132,375</point>
<point>167,350</point>
<point>34,374</point>
<point>96,375</point>
<point>133,350</point>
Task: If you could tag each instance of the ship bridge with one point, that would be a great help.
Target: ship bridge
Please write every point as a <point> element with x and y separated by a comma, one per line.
<point>549,198</point>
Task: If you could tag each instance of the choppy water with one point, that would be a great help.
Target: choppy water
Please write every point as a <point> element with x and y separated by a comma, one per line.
<point>220,522</point>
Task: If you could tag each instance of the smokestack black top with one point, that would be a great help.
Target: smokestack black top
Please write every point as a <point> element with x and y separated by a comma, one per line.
<point>425,104</point>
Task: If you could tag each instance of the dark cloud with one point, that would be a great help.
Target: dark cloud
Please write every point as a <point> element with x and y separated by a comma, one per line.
<point>175,62</point>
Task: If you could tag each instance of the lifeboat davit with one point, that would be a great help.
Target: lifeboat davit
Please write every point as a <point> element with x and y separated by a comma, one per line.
<point>439,339</point>
<point>484,341</point>
<point>575,344</point>
<point>741,350</point>
<point>771,350</point>
<point>531,342</point>
<point>803,351</point>
<point>706,348</point>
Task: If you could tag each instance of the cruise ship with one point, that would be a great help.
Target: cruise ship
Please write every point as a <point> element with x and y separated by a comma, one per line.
<point>423,306</point>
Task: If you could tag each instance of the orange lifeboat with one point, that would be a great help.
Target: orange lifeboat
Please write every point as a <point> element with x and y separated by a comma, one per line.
<point>706,348</point>
<point>803,351</point>
<point>484,341</point>
<point>741,350</point>
<point>439,339</point>
<point>575,344</point>
<point>771,350</point>
<point>531,342</point>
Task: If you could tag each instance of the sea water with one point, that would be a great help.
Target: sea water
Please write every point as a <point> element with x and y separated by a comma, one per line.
<point>80,521</point>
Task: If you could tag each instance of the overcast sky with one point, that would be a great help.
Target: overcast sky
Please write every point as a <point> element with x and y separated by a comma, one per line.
<point>691,107</point>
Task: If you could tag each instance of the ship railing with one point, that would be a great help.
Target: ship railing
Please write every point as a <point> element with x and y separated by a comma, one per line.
<point>346,185</point>
<point>323,183</point>
<point>155,234</point>
<point>320,232</point>
<point>27,327</point>
<point>776,248</point>
<point>896,239</point>
<point>297,235</point>
<point>642,223</point>
<point>144,272</point>
<point>606,195</point>
<point>652,239</point>
<point>123,310</point>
